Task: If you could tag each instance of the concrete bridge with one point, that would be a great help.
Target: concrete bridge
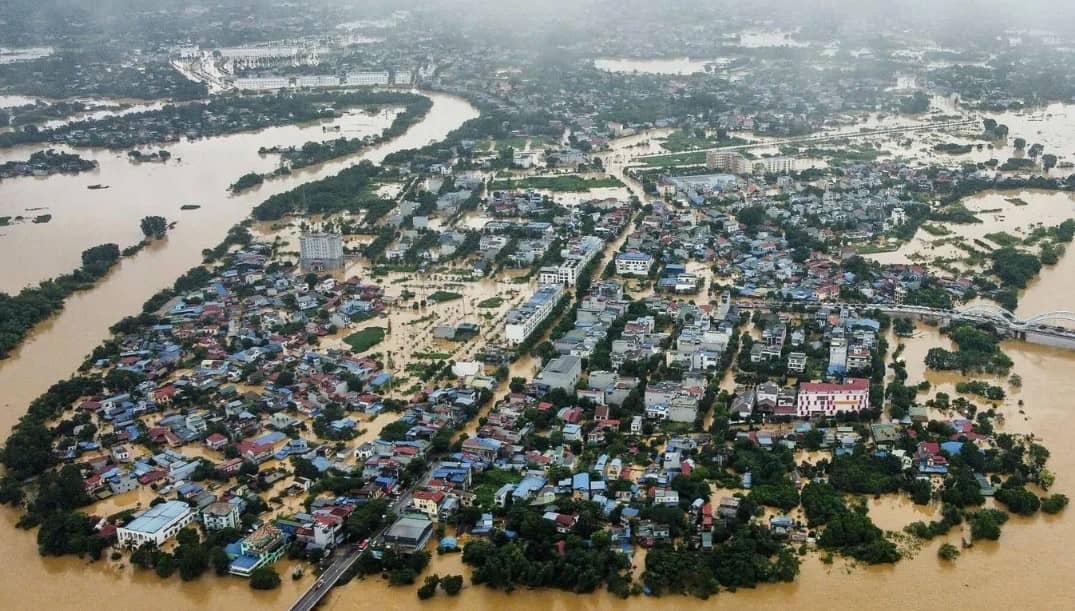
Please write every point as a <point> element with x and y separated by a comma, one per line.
<point>1047,329</point>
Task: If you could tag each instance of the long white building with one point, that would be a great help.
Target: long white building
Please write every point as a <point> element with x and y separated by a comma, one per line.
<point>521,322</point>
<point>156,524</point>
<point>577,255</point>
<point>267,83</point>
<point>368,79</point>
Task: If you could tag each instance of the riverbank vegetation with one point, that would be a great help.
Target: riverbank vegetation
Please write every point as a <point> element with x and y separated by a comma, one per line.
<point>101,71</point>
<point>349,190</point>
<point>415,108</point>
<point>978,350</point>
<point>222,115</point>
<point>48,161</point>
<point>20,313</point>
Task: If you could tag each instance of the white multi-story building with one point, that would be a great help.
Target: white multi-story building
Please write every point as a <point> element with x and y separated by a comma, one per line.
<point>774,165</point>
<point>521,322</point>
<point>221,515</point>
<point>633,264</point>
<point>577,255</point>
<point>838,355</point>
<point>156,524</point>
<point>321,251</point>
<point>830,399</point>
<point>403,78</point>
<point>254,53</point>
<point>727,161</point>
<point>317,80</point>
<point>368,79</point>
<point>263,83</point>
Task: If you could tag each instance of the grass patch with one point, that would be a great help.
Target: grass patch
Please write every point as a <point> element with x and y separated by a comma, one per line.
<point>492,302</point>
<point>570,182</point>
<point>873,249</point>
<point>1002,238</point>
<point>689,158</point>
<point>432,356</point>
<point>442,296</point>
<point>365,339</point>
<point>936,230</point>
<point>518,143</point>
<point>1015,201</point>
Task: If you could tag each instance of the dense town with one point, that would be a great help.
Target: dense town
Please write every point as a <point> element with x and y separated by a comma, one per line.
<point>631,331</point>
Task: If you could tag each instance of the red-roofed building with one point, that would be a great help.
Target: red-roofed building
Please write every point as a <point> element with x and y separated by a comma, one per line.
<point>152,476</point>
<point>164,395</point>
<point>428,502</point>
<point>90,405</point>
<point>830,399</point>
<point>230,467</point>
<point>216,441</point>
<point>255,452</point>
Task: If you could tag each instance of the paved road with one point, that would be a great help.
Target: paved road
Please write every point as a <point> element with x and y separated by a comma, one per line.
<point>345,556</point>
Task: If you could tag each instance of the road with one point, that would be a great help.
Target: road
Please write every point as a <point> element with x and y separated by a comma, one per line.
<point>345,556</point>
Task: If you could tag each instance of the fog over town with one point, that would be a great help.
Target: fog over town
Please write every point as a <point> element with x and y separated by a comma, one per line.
<point>480,304</point>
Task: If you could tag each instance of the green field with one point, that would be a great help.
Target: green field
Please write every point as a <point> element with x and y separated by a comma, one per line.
<point>689,158</point>
<point>441,296</point>
<point>365,339</point>
<point>1002,238</point>
<point>569,182</point>
<point>492,302</point>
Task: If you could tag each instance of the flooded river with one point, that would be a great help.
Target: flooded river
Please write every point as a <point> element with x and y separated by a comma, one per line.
<point>1032,560</point>
<point>199,173</point>
<point>57,347</point>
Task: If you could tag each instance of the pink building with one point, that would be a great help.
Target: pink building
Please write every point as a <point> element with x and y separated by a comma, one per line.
<point>832,399</point>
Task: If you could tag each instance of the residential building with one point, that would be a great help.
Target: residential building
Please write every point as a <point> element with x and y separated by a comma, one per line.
<point>262,547</point>
<point>221,515</point>
<point>633,263</point>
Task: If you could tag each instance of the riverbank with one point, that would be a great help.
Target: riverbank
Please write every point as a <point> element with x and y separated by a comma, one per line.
<point>199,173</point>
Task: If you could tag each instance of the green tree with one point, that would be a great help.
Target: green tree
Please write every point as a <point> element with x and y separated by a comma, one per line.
<point>452,584</point>
<point>429,588</point>
<point>264,578</point>
<point>154,226</point>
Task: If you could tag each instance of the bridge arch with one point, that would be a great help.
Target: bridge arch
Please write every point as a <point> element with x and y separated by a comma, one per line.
<point>1051,318</point>
<point>988,310</point>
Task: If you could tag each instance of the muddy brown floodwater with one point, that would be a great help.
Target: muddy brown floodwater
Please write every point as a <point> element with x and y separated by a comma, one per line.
<point>1030,567</point>
<point>57,347</point>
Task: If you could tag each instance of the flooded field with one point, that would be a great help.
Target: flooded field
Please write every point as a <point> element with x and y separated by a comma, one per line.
<point>1012,212</point>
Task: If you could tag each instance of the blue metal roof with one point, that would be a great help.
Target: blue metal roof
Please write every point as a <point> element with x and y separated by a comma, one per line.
<point>158,517</point>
